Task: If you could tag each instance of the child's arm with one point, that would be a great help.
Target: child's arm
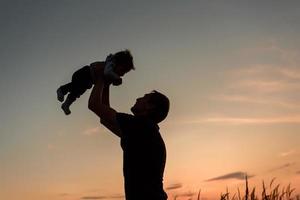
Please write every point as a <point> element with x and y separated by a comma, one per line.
<point>105,70</point>
<point>109,71</point>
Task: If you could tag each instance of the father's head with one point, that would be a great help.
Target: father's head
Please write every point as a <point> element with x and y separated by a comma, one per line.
<point>154,106</point>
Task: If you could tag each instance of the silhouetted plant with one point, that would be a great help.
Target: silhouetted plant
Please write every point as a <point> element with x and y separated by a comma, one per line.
<point>275,193</point>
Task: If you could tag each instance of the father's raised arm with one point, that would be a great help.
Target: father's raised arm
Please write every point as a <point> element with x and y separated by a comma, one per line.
<point>99,104</point>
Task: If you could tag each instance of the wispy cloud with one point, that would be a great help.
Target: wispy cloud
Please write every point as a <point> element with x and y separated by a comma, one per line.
<point>235,175</point>
<point>238,98</point>
<point>287,153</point>
<point>261,79</point>
<point>174,186</point>
<point>51,147</point>
<point>271,120</point>
<point>185,194</point>
<point>116,196</point>
<point>91,131</point>
<point>293,73</point>
<point>287,165</point>
<point>246,120</point>
<point>272,47</point>
<point>94,197</point>
<point>258,93</point>
<point>263,86</point>
<point>254,99</point>
<point>266,72</point>
<point>64,194</point>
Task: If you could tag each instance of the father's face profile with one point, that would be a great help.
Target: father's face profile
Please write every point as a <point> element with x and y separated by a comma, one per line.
<point>141,106</point>
<point>153,105</point>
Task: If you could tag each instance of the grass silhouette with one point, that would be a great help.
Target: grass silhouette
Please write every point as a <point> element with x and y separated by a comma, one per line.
<point>275,193</point>
<point>270,192</point>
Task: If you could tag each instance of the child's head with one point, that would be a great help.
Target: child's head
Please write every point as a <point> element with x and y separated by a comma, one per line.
<point>123,62</point>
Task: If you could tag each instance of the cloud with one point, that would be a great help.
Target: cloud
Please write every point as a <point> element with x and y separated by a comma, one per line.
<point>262,79</point>
<point>254,99</point>
<point>185,194</point>
<point>264,86</point>
<point>94,197</point>
<point>266,72</point>
<point>116,196</point>
<point>91,131</point>
<point>238,98</point>
<point>287,165</point>
<point>51,147</point>
<point>286,70</point>
<point>287,153</point>
<point>293,73</point>
<point>234,175</point>
<point>272,47</point>
<point>247,120</point>
<point>258,89</point>
<point>64,194</point>
<point>298,172</point>
<point>257,120</point>
<point>174,186</point>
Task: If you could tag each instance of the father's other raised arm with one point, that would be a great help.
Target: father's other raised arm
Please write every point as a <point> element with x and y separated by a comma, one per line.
<point>99,104</point>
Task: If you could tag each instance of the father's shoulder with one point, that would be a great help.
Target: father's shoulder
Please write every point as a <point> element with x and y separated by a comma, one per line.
<point>124,115</point>
<point>124,118</point>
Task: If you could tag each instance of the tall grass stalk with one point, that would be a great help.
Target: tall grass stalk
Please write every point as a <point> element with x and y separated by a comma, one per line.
<point>271,193</point>
<point>268,193</point>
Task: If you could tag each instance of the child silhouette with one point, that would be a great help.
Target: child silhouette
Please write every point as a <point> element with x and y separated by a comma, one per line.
<point>112,69</point>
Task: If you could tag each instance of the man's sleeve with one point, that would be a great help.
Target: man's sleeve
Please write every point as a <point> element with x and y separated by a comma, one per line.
<point>125,122</point>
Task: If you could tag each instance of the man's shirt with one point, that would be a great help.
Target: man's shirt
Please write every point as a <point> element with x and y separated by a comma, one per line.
<point>144,155</point>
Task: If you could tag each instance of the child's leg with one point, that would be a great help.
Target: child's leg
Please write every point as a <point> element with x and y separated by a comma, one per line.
<point>81,81</point>
<point>66,105</point>
<point>62,91</point>
<point>74,93</point>
<point>66,88</point>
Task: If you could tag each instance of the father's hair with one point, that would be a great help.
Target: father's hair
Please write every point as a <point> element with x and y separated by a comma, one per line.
<point>125,59</point>
<point>162,105</point>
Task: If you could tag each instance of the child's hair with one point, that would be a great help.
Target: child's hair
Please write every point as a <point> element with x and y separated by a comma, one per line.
<point>162,105</point>
<point>125,59</point>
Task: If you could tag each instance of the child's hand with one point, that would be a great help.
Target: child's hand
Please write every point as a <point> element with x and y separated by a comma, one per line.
<point>109,73</point>
<point>117,82</point>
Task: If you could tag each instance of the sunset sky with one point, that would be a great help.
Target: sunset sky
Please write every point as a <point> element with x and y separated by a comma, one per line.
<point>231,70</point>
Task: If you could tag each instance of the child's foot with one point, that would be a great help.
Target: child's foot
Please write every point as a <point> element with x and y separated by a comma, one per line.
<point>65,108</point>
<point>60,95</point>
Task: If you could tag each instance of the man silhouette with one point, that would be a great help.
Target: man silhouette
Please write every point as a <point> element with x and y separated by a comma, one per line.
<point>144,152</point>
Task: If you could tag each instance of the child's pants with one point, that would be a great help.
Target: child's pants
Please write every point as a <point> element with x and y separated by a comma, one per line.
<point>81,81</point>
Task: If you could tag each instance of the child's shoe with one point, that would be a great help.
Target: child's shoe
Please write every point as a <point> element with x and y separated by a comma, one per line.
<point>65,108</point>
<point>60,95</point>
